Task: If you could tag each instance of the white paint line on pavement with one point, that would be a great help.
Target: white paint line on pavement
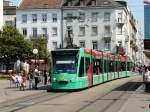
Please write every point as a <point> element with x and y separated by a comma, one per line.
<point>27,103</point>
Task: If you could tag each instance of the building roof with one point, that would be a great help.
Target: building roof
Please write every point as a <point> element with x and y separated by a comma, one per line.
<point>40,4</point>
<point>47,4</point>
<point>98,3</point>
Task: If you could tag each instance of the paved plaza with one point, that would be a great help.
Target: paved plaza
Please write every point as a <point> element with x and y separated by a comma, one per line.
<point>9,93</point>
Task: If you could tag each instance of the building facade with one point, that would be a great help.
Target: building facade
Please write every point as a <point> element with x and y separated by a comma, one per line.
<point>146,21</point>
<point>140,57</point>
<point>147,28</point>
<point>104,25</point>
<point>9,14</point>
<point>96,24</point>
<point>1,14</point>
<point>40,18</point>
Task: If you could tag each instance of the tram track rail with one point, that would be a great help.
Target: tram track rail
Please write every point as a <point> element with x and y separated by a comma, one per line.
<point>19,104</point>
<point>108,97</point>
<point>124,91</point>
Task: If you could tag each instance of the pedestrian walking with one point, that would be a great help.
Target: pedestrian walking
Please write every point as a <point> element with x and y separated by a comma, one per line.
<point>146,78</point>
<point>45,77</point>
<point>31,77</point>
<point>36,77</point>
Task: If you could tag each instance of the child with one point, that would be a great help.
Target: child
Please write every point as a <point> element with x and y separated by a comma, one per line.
<point>23,82</point>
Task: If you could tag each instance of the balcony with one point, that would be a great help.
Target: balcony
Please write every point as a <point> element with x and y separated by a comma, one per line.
<point>35,37</point>
<point>120,21</point>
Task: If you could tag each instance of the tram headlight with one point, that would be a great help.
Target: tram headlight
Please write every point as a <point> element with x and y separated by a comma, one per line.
<point>73,79</point>
<point>54,79</point>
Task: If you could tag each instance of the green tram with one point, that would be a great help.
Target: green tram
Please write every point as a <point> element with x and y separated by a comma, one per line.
<point>83,68</point>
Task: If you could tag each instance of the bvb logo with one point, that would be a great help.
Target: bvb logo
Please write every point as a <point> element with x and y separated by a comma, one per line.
<point>62,78</point>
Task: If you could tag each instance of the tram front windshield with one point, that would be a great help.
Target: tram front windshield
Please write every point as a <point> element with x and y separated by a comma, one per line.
<point>65,62</point>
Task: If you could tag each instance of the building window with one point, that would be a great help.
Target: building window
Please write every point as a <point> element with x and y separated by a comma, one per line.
<point>54,45</point>
<point>95,45</point>
<point>82,3</point>
<point>9,23</point>
<point>94,31</point>
<point>119,17</point>
<point>81,16</point>
<point>44,17</point>
<point>34,31</point>
<point>81,31</point>
<point>44,30</point>
<point>24,31</point>
<point>82,43</point>
<point>106,16</point>
<point>94,16</point>
<point>119,30</point>
<point>34,17</point>
<point>107,30</point>
<point>69,17</point>
<point>24,18</point>
<point>54,31</point>
<point>107,44</point>
<point>93,2</point>
<point>70,3</point>
<point>54,17</point>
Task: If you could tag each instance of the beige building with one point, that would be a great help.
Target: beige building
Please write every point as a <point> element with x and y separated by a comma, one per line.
<point>132,30</point>
<point>9,14</point>
<point>1,13</point>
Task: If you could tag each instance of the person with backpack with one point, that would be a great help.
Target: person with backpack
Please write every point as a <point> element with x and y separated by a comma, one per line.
<point>36,77</point>
<point>146,78</point>
<point>45,77</point>
<point>31,77</point>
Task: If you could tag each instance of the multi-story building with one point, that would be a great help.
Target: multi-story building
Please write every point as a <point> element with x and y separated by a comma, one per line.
<point>96,24</point>
<point>9,13</point>
<point>132,30</point>
<point>1,14</point>
<point>37,18</point>
<point>140,57</point>
<point>147,28</point>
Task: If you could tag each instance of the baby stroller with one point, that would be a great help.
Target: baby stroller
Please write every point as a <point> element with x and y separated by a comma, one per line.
<point>14,80</point>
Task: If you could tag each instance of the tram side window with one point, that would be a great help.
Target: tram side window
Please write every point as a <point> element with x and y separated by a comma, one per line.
<point>95,66</point>
<point>105,66</point>
<point>81,69</point>
<point>111,66</point>
<point>117,66</point>
<point>87,63</point>
<point>100,65</point>
<point>96,69</point>
<point>128,66</point>
<point>123,66</point>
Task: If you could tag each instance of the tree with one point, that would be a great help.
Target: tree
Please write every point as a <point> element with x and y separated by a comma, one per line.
<point>40,44</point>
<point>13,44</point>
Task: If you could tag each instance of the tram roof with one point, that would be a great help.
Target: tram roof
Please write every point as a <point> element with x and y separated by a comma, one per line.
<point>66,49</point>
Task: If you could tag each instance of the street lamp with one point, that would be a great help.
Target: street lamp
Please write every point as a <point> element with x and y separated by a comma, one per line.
<point>35,51</point>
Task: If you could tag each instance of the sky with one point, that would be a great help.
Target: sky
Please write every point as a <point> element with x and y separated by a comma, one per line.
<point>136,7</point>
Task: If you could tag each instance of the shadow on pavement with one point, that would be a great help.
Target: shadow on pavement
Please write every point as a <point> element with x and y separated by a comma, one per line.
<point>129,86</point>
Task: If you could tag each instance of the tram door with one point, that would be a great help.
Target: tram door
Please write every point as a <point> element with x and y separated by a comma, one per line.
<point>118,68</point>
<point>89,71</point>
<point>111,68</point>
